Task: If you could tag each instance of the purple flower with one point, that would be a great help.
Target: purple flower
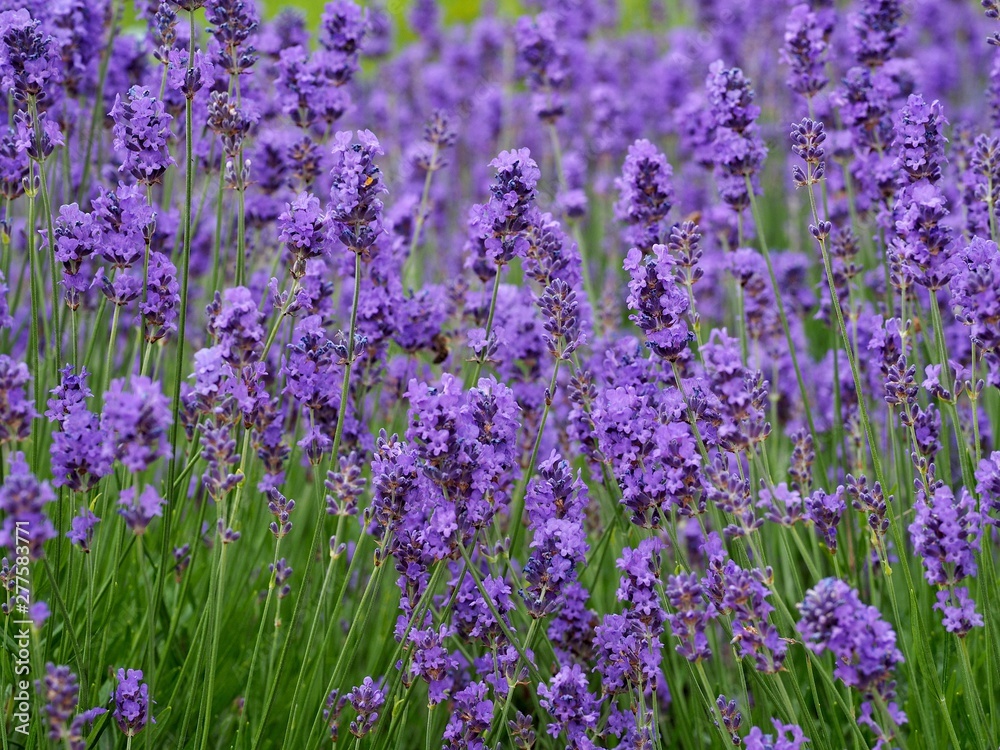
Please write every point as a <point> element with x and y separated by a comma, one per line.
<point>344,26</point>
<point>80,724</point>
<point>946,533</point>
<point>787,737</point>
<point>367,700</point>
<point>131,701</point>
<point>522,731</point>
<point>644,433</point>
<point>70,396</point>
<point>922,249</point>
<point>82,528</point>
<point>218,448</point>
<point>26,60</point>
<point>162,299</point>
<point>555,504</point>
<point>234,321</point>
<point>871,501</point>
<point>744,595</point>
<point>470,719</point>
<point>335,704</point>
<point>808,137</point>
<point>356,208</point>
<point>646,194</point>
<point>302,227</point>
<point>863,644</point>
<point>959,610</point>
<point>825,511</point>
<point>394,477</point>
<point>345,486</point>
<point>805,50</point>
<point>731,494</point>
<point>136,421</point>
<point>781,505</point>
<point>432,662</point>
<point>13,165</point>
<point>142,130</point>
<point>282,572</point>
<point>626,656</point>
<point>575,709</point>
<point>988,487</point>
<point>561,308</point>
<point>139,511</point>
<point>918,140</point>
<point>660,304</point>
<point>498,227</point>
<point>543,56</point>
<point>876,31</point>
<point>124,222</point>
<point>473,615</point>
<point>975,299</point>
<point>233,24</point>
<point>229,122</point>
<point>571,630</point>
<point>738,150</point>
<point>731,717</point>
<point>281,508</point>
<point>467,441</point>
<point>61,692</point>
<point>638,585</point>
<point>692,613</point>
<point>16,409</point>
<point>123,289</point>
<point>22,500</point>
<point>76,238</point>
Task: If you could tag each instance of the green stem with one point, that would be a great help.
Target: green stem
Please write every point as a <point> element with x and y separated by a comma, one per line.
<point>179,364</point>
<point>489,328</point>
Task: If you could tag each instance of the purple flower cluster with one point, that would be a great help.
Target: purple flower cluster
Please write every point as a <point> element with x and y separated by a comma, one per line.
<point>574,707</point>
<point>23,499</point>
<point>142,130</point>
<point>946,533</point>
<point>646,194</point>
<point>529,328</point>
<point>555,504</point>
<point>16,410</point>
<point>498,227</point>
<point>738,149</point>
<point>470,719</point>
<point>131,702</point>
<point>61,692</point>
<point>864,645</point>
<point>661,305</point>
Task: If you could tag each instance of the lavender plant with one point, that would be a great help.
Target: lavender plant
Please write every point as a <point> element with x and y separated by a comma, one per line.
<point>567,378</point>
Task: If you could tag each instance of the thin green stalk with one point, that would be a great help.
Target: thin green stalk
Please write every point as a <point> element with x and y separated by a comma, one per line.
<point>758,220</point>
<point>418,223</point>
<point>97,113</point>
<point>517,508</point>
<point>338,435</point>
<point>578,238</point>
<point>489,327</point>
<point>47,208</point>
<point>179,363</point>
<point>318,608</point>
<point>248,690</point>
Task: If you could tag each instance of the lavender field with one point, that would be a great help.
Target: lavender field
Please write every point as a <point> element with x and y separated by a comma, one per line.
<point>581,375</point>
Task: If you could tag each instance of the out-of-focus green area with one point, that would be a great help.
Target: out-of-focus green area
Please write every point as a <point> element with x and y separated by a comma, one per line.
<point>632,12</point>
<point>455,11</point>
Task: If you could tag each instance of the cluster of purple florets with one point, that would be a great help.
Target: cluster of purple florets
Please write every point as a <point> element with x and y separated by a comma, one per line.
<point>660,381</point>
